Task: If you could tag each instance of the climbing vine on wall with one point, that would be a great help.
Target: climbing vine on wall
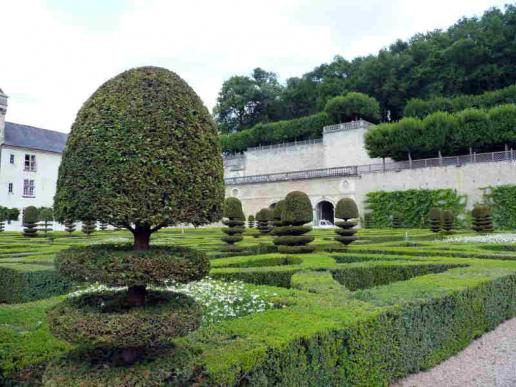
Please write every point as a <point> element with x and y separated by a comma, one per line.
<point>413,205</point>
<point>502,200</point>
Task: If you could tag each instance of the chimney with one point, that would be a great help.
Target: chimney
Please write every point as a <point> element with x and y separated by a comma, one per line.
<point>3,111</point>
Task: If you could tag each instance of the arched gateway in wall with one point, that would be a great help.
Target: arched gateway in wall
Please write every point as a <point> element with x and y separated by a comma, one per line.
<point>324,210</point>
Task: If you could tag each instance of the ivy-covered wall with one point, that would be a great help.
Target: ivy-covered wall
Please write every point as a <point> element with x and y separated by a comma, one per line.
<point>412,206</point>
<point>502,199</point>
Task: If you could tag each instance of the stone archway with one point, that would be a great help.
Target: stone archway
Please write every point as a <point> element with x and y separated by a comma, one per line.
<point>324,211</point>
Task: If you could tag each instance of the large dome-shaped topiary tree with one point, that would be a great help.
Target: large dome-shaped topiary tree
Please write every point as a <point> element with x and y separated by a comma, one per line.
<point>143,153</point>
<point>347,210</point>
<point>296,213</point>
<point>235,222</point>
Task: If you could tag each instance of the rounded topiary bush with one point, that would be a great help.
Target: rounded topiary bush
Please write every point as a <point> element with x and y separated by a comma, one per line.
<point>235,222</point>
<point>296,211</point>
<point>143,153</point>
<point>30,221</point>
<point>481,218</point>
<point>264,218</point>
<point>435,218</point>
<point>346,209</point>
<point>250,221</point>
<point>277,211</point>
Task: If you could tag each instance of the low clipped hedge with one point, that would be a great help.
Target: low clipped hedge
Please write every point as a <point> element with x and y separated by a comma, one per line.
<point>120,265</point>
<point>26,282</point>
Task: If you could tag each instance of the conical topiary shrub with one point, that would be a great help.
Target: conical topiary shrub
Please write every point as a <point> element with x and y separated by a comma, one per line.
<point>263,219</point>
<point>69,225</point>
<point>296,213</point>
<point>235,221</point>
<point>88,227</point>
<point>30,221</point>
<point>435,219</point>
<point>481,218</point>
<point>346,209</point>
<point>145,138</point>
<point>250,221</point>
<point>448,220</point>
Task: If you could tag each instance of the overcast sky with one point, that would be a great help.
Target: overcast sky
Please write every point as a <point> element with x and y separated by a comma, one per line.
<point>55,53</point>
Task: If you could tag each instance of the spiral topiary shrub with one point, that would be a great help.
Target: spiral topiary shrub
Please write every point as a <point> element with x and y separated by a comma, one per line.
<point>235,222</point>
<point>263,219</point>
<point>295,214</point>
<point>69,225</point>
<point>103,226</point>
<point>481,218</point>
<point>143,154</point>
<point>30,221</point>
<point>435,219</point>
<point>250,221</point>
<point>88,227</point>
<point>346,209</point>
<point>448,220</point>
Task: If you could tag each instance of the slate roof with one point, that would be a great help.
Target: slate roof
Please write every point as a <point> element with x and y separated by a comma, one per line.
<point>25,136</point>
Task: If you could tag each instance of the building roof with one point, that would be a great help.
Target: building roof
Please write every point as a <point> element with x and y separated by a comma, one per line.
<point>25,136</point>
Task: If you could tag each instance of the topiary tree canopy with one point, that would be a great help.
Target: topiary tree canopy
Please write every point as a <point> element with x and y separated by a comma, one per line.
<point>346,209</point>
<point>233,209</point>
<point>297,209</point>
<point>30,221</point>
<point>143,152</point>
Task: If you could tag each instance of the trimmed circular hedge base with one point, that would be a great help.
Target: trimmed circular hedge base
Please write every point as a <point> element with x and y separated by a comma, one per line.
<point>120,265</point>
<point>107,319</point>
<point>171,366</point>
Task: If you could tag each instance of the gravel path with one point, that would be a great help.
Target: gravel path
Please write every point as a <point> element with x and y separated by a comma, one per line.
<point>487,361</point>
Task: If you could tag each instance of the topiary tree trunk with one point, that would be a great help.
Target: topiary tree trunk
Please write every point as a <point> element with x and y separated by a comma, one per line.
<point>296,212</point>
<point>435,218</point>
<point>346,209</point>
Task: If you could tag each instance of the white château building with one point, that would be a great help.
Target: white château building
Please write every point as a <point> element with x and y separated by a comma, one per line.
<point>29,162</point>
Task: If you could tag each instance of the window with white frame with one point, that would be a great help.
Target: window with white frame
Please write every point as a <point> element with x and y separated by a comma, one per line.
<point>28,188</point>
<point>30,162</point>
<point>10,188</point>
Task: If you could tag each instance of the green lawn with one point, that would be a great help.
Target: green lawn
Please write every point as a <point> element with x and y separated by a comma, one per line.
<point>393,303</point>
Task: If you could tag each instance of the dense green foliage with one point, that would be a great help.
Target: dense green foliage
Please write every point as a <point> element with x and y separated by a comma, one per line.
<point>304,128</point>
<point>250,221</point>
<point>46,217</point>
<point>346,209</point>
<point>143,122</point>
<point>435,218</point>
<point>30,221</point>
<point>413,205</point>
<point>472,56</point>
<point>481,218</point>
<point>235,222</point>
<point>450,134</point>
<point>502,199</point>
<point>353,106</point>
<point>296,211</point>
<point>421,108</point>
<point>277,213</point>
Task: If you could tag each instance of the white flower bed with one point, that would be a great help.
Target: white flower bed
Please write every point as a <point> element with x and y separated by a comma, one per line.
<point>488,238</point>
<point>221,300</point>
